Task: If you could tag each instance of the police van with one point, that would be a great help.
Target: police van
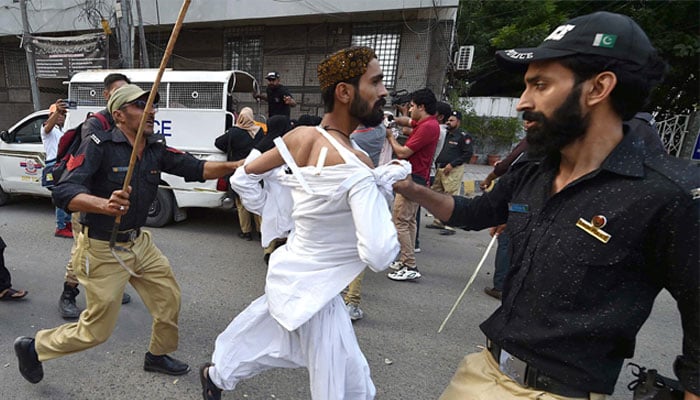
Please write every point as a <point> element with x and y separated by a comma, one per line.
<point>195,107</point>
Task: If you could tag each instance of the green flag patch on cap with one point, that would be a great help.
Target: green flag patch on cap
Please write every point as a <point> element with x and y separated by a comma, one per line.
<point>604,40</point>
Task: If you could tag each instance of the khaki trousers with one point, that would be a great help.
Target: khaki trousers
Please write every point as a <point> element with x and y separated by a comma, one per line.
<point>246,218</point>
<point>353,295</point>
<point>404,216</point>
<point>448,183</point>
<point>77,228</point>
<point>478,378</point>
<point>103,281</point>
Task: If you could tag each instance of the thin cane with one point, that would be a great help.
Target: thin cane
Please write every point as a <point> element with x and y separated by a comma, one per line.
<point>476,271</point>
<point>142,124</point>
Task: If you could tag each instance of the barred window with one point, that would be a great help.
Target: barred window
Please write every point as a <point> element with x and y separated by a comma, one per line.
<point>16,72</point>
<point>156,43</point>
<point>384,38</point>
<point>243,50</point>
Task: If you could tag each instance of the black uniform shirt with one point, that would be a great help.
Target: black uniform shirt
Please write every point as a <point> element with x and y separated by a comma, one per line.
<point>275,101</point>
<point>457,150</point>
<point>100,166</point>
<point>237,143</point>
<point>572,304</point>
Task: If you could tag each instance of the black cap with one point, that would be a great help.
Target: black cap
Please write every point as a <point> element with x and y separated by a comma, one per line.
<point>272,75</point>
<point>457,114</point>
<point>601,33</point>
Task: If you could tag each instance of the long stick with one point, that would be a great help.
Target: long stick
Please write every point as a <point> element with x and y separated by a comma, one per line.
<point>147,110</point>
<point>476,271</point>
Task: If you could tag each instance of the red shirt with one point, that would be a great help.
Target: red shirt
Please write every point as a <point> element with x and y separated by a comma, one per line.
<point>423,142</point>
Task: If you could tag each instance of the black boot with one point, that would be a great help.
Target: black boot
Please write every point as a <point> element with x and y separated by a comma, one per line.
<point>66,304</point>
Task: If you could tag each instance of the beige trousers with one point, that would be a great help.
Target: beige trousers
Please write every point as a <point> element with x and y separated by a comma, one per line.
<point>404,216</point>
<point>353,295</point>
<point>103,281</point>
<point>77,228</point>
<point>448,183</point>
<point>478,378</point>
<point>246,218</point>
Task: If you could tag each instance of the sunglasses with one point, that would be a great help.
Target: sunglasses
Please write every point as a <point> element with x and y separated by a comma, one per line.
<point>140,104</point>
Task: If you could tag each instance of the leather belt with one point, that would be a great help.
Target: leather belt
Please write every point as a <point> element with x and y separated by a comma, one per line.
<point>122,236</point>
<point>528,376</point>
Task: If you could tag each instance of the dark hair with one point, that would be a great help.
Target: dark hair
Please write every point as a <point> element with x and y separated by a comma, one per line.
<point>426,98</point>
<point>277,126</point>
<point>634,82</point>
<point>308,120</point>
<point>444,109</point>
<point>111,78</point>
<point>328,95</point>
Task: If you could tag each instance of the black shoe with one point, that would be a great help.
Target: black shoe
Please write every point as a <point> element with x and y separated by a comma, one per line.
<point>66,304</point>
<point>164,364</point>
<point>29,364</point>
<point>209,389</point>
<point>493,292</point>
<point>246,235</point>
<point>126,298</point>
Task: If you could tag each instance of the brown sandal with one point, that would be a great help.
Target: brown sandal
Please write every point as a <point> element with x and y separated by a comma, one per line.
<point>209,389</point>
<point>11,294</point>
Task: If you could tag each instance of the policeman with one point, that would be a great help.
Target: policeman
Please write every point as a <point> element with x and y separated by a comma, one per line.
<point>92,185</point>
<point>456,152</point>
<point>66,303</point>
<point>599,224</point>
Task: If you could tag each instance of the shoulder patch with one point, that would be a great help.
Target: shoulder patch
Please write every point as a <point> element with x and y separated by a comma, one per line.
<point>75,161</point>
<point>95,139</point>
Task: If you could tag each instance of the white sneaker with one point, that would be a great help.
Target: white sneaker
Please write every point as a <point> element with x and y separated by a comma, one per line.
<point>416,250</point>
<point>404,274</point>
<point>396,265</point>
<point>354,311</point>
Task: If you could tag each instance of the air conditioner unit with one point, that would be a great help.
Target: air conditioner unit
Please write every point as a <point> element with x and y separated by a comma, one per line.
<point>463,58</point>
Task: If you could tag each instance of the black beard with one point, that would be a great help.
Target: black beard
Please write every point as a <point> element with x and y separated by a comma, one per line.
<point>550,135</point>
<point>368,117</point>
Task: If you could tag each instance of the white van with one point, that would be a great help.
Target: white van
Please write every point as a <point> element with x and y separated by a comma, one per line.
<point>195,108</point>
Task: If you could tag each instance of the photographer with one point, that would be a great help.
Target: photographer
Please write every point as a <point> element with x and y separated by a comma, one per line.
<point>50,135</point>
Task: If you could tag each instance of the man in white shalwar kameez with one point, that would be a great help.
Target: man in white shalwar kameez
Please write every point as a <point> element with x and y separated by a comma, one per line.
<point>340,222</point>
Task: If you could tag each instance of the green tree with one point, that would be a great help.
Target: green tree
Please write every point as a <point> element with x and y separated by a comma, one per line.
<point>672,26</point>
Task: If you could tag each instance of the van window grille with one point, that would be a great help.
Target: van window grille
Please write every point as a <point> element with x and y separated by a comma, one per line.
<point>87,94</point>
<point>384,38</point>
<point>204,95</point>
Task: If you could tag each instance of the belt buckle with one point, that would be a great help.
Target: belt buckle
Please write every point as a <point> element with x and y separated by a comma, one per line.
<point>133,234</point>
<point>513,367</point>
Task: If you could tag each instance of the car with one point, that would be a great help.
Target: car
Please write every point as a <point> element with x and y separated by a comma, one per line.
<point>22,158</point>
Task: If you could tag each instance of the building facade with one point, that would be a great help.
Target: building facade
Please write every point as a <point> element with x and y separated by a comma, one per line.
<point>413,40</point>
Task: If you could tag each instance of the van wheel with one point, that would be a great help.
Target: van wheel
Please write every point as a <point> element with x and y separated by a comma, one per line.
<point>160,213</point>
<point>4,197</point>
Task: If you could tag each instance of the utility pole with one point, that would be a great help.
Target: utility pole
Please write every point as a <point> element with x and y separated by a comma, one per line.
<point>29,51</point>
<point>125,40</point>
<point>142,37</point>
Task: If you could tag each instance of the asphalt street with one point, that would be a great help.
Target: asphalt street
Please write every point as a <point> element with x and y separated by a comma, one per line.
<point>220,274</point>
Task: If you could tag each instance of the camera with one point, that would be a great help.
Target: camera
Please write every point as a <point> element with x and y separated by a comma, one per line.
<point>400,97</point>
<point>71,104</point>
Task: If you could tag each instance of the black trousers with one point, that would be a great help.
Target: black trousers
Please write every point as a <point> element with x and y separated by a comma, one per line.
<point>5,280</point>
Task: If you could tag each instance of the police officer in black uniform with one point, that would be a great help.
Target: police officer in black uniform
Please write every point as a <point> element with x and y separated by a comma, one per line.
<point>93,185</point>
<point>456,152</point>
<point>599,223</point>
<point>279,98</point>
